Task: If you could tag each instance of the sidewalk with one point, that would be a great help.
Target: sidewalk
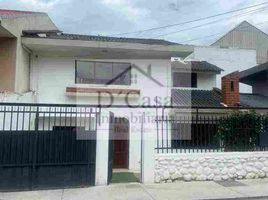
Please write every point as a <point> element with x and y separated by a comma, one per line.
<point>172,191</point>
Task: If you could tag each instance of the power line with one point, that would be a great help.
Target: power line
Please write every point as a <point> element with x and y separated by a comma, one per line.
<point>219,33</point>
<point>212,22</point>
<point>190,21</point>
<point>245,13</point>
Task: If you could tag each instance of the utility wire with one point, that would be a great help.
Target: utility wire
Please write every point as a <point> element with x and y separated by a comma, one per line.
<point>208,36</point>
<point>212,22</point>
<point>190,21</point>
<point>158,46</point>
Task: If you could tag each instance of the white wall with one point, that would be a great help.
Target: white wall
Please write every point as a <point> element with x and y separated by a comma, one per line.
<point>206,81</point>
<point>229,60</point>
<point>51,75</point>
<point>16,97</point>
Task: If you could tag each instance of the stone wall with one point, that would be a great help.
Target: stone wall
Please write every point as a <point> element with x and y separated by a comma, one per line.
<point>210,166</point>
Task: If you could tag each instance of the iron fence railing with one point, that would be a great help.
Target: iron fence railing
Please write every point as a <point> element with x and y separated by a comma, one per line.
<point>46,117</point>
<point>198,131</point>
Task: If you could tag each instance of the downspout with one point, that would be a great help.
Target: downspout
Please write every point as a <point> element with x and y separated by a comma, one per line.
<point>30,53</point>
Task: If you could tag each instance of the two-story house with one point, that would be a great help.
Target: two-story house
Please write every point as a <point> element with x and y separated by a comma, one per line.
<point>60,68</point>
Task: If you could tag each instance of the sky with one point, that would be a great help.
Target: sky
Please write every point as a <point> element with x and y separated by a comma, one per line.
<point>110,17</point>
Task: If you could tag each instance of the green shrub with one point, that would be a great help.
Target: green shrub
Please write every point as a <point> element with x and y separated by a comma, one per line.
<point>240,131</point>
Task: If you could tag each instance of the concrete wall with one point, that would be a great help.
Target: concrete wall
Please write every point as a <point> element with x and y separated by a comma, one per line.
<point>15,66</point>
<point>210,166</point>
<point>18,78</point>
<point>206,81</point>
<point>16,98</point>
<point>229,60</point>
<point>29,22</point>
<point>7,63</point>
<point>261,87</point>
<point>22,70</point>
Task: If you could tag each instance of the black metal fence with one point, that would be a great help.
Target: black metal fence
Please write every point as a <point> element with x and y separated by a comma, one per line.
<point>47,146</point>
<point>181,131</point>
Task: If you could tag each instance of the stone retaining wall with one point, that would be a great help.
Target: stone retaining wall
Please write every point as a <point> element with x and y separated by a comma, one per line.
<point>210,166</point>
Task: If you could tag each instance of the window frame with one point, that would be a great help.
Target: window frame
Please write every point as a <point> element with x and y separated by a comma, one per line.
<point>109,82</point>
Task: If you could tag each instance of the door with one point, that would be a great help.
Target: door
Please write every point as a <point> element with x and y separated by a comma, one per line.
<point>121,143</point>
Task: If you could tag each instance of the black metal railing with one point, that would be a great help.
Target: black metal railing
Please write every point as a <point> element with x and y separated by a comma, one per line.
<point>45,117</point>
<point>181,131</point>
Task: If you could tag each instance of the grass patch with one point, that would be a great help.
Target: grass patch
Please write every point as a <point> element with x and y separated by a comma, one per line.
<point>124,177</point>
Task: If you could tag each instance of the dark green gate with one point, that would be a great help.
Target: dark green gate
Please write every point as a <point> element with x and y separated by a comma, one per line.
<point>47,146</point>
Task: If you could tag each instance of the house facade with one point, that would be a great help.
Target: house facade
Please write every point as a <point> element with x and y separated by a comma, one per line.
<point>122,76</point>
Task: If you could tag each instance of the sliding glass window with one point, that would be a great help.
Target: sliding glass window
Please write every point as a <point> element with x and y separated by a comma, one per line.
<point>109,73</point>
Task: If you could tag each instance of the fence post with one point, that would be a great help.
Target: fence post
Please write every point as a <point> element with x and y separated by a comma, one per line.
<point>148,151</point>
<point>102,149</point>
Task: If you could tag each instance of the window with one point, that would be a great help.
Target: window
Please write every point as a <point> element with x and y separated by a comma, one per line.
<point>184,79</point>
<point>232,86</point>
<point>102,73</point>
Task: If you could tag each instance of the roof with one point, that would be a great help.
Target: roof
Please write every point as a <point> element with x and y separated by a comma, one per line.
<point>253,100</point>
<point>66,36</point>
<point>16,13</point>
<point>212,98</point>
<point>246,75</point>
<point>243,27</point>
<point>196,98</point>
<point>246,36</point>
<point>200,66</point>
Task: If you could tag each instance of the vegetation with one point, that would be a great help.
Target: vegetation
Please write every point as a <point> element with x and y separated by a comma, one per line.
<point>240,131</point>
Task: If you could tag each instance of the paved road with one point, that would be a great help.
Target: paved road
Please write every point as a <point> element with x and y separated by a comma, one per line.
<point>168,191</point>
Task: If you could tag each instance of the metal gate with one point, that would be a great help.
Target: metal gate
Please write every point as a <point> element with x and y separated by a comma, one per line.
<point>47,146</point>
<point>111,147</point>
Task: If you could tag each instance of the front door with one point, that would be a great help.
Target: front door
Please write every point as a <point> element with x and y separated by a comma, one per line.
<point>121,143</point>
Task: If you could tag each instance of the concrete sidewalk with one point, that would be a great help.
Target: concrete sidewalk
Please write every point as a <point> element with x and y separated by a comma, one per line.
<point>245,189</point>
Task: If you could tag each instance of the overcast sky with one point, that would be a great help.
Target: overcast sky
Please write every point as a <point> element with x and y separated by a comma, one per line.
<point>108,17</point>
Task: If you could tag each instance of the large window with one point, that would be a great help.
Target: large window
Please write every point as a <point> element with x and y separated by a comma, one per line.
<point>184,79</point>
<point>103,73</point>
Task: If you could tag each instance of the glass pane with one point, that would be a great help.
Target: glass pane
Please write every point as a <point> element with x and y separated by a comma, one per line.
<point>104,73</point>
<point>84,72</point>
<point>121,73</point>
<point>182,79</point>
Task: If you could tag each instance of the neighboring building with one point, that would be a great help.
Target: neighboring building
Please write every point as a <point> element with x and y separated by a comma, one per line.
<point>14,57</point>
<point>194,83</point>
<point>227,59</point>
<point>229,95</point>
<point>257,77</point>
<point>246,36</point>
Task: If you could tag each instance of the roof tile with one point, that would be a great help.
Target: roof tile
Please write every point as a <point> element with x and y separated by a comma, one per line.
<point>65,36</point>
<point>196,98</point>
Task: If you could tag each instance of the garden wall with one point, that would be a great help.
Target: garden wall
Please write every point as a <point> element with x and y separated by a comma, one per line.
<point>210,166</point>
